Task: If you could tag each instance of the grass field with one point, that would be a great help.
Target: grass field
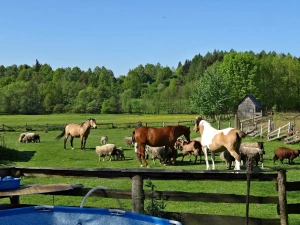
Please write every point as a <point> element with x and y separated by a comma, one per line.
<point>50,153</point>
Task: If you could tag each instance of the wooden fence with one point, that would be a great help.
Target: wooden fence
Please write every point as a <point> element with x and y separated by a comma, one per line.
<point>137,194</point>
<point>49,127</point>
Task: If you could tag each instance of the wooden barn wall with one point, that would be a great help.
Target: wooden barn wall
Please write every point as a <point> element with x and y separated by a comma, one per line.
<point>244,108</point>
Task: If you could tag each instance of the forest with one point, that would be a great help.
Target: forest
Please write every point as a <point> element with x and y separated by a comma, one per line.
<point>209,84</point>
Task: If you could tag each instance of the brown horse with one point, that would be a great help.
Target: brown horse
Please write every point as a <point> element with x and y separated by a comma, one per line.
<point>219,140</point>
<point>81,131</point>
<point>156,137</point>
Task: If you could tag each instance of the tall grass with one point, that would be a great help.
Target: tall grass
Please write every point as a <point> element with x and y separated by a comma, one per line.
<point>50,153</point>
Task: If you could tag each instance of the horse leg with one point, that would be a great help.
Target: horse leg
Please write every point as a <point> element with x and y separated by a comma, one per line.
<point>213,160</point>
<point>204,149</point>
<point>65,141</point>
<point>141,155</point>
<point>237,158</point>
<point>83,141</point>
<point>71,141</point>
<point>174,153</point>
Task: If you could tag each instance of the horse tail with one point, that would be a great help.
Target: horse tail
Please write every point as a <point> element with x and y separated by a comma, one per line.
<point>241,134</point>
<point>62,134</point>
<point>133,138</point>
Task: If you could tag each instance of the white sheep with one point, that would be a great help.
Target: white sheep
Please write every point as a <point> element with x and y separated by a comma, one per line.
<point>21,137</point>
<point>159,153</point>
<point>106,150</point>
<point>30,137</point>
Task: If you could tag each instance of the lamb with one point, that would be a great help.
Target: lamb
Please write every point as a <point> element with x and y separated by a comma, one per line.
<point>106,150</point>
<point>128,140</point>
<point>282,153</point>
<point>253,149</point>
<point>189,148</point>
<point>227,158</point>
<point>104,140</point>
<point>159,153</point>
<point>118,153</point>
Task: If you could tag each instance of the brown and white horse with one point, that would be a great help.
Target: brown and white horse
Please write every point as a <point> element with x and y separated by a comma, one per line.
<point>157,137</point>
<point>81,131</point>
<point>219,140</point>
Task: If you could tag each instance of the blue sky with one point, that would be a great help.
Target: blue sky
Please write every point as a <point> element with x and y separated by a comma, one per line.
<point>122,34</point>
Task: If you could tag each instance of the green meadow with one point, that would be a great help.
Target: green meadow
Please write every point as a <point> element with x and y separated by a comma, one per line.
<point>50,153</point>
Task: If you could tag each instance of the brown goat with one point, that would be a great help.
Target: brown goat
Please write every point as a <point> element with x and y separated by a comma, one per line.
<point>189,148</point>
<point>282,153</point>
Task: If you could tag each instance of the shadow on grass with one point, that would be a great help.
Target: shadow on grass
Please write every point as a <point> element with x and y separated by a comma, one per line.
<point>9,155</point>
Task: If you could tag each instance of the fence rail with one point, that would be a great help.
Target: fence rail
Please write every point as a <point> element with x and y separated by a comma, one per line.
<point>138,195</point>
<point>52,127</point>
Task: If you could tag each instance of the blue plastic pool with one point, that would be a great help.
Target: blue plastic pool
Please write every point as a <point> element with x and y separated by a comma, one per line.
<point>54,215</point>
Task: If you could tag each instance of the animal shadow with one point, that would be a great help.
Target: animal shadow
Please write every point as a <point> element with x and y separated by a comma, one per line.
<point>9,155</point>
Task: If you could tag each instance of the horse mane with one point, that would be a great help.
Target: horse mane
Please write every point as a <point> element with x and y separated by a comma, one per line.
<point>87,120</point>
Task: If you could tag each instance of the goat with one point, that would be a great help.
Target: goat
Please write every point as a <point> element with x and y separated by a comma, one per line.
<point>104,140</point>
<point>189,148</point>
<point>227,158</point>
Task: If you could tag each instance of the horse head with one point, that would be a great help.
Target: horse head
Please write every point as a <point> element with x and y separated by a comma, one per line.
<point>197,122</point>
<point>93,123</point>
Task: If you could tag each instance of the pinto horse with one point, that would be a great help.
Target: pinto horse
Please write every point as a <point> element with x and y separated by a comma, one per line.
<point>81,131</point>
<point>156,137</point>
<point>219,140</point>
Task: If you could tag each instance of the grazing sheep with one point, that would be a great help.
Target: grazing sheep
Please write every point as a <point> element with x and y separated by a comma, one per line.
<point>104,140</point>
<point>253,149</point>
<point>227,158</point>
<point>106,150</point>
<point>282,153</point>
<point>193,147</point>
<point>31,137</point>
<point>128,140</point>
<point>21,137</point>
<point>159,153</point>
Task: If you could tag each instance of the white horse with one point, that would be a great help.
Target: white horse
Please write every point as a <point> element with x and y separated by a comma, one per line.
<point>219,140</point>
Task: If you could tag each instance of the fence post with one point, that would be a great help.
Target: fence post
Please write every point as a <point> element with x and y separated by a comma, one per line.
<point>137,194</point>
<point>281,179</point>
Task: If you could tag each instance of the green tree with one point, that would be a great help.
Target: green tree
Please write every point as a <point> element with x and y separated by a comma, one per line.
<point>2,71</point>
<point>240,71</point>
<point>11,71</point>
<point>211,93</point>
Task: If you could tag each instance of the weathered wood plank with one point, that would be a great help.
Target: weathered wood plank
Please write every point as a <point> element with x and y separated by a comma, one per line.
<point>290,186</point>
<point>154,174</point>
<point>37,189</point>
<point>172,196</point>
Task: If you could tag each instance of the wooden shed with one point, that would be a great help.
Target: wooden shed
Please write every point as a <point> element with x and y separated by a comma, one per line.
<point>249,107</point>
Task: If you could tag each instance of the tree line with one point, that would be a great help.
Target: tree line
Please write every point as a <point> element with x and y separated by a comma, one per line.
<point>211,84</point>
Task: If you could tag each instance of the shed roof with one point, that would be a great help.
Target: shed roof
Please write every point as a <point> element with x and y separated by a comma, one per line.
<point>254,100</point>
